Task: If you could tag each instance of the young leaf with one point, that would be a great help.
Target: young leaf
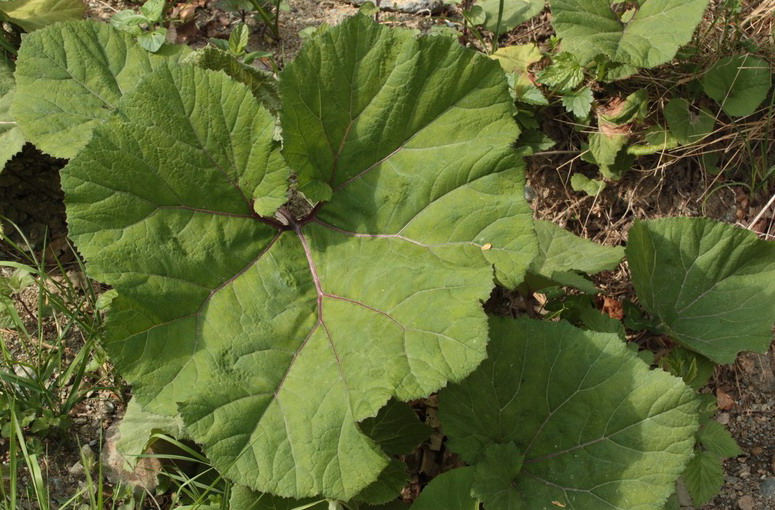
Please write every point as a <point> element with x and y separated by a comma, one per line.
<point>153,10</point>
<point>592,27</point>
<point>578,102</point>
<point>565,73</point>
<point>592,187</point>
<point>11,137</point>
<point>710,285</point>
<point>153,40</point>
<point>657,139</point>
<point>703,477</point>
<point>595,425</point>
<point>450,491</point>
<point>238,39</point>
<point>275,337</point>
<point>715,438</point>
<point>686,125</point>
<point>84,68</point>
<point>517,58</point>
<point>739,84</point>
<point>35,14</point>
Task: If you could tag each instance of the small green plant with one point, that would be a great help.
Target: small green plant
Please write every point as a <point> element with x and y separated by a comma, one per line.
<point>237,45</point>
<point>266,11</point>
<point>145,25</point>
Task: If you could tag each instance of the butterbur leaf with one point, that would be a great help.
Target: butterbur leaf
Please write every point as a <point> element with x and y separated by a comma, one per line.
<point>517,58</point>
<point>136,428</point>
<point>703,477</point>
<point>589,28</point>
<point>153,40</point>
<point>450,491</point>
<point>739,84</point>
<point>274,336</point>
<point>494,474</point>
<point>715,438</point>
<point>561,254</point>
<point>261,83</point>
<point>85,68</point>
<point>374,143</point>
<point>396,429</point>
<point>35,14</point>
<point>607,150</point>
<point>710,285</point>
<point>514,13</point>
<point>686,124</point>
<point>246,499</point>
<point>11,137</point>
<point>153,9</point>
<point>596,427</point>
<point>388,485</point>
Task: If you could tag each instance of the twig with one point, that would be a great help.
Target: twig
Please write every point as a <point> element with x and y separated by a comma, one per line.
<point>761,213</point>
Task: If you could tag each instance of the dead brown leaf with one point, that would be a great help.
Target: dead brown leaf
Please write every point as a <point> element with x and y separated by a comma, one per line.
<point>724,400</point>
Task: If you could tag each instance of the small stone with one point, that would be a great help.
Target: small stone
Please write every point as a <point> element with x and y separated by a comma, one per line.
<point>767,488</point>
<point>745,503</point>
<point>76,470</point>
<point>757,450</point>
<point>723,418</point>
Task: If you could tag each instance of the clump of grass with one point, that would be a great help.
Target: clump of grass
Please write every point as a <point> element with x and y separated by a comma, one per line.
<point>50,362</point>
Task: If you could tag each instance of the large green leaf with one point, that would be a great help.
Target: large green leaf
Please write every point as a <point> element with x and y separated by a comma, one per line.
<point>70,77</point>
<point>11,137</point>
<point>596,427</point>
<point>278,334</point>
<point>450,491</point>
<point>514,12</point>
<point>739,83</point>
<point>651,37</point>
<point>34,14</point>
<point>710,285</point>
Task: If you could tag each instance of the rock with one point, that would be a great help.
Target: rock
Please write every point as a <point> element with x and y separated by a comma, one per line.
<point>723,418</point>
<point>745,503</point>
<point>757,450</point>
<point>409,6</point>
<point>767,488</point>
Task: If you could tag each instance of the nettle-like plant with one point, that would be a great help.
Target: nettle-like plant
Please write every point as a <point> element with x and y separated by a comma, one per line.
<point>283,283</point>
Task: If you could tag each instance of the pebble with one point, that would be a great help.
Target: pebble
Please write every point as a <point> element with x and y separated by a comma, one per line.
<point>745,503</point>
<point>723,418</point>
<point>767,488</point>
<point>757,450</point>
<point>410,6</point>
